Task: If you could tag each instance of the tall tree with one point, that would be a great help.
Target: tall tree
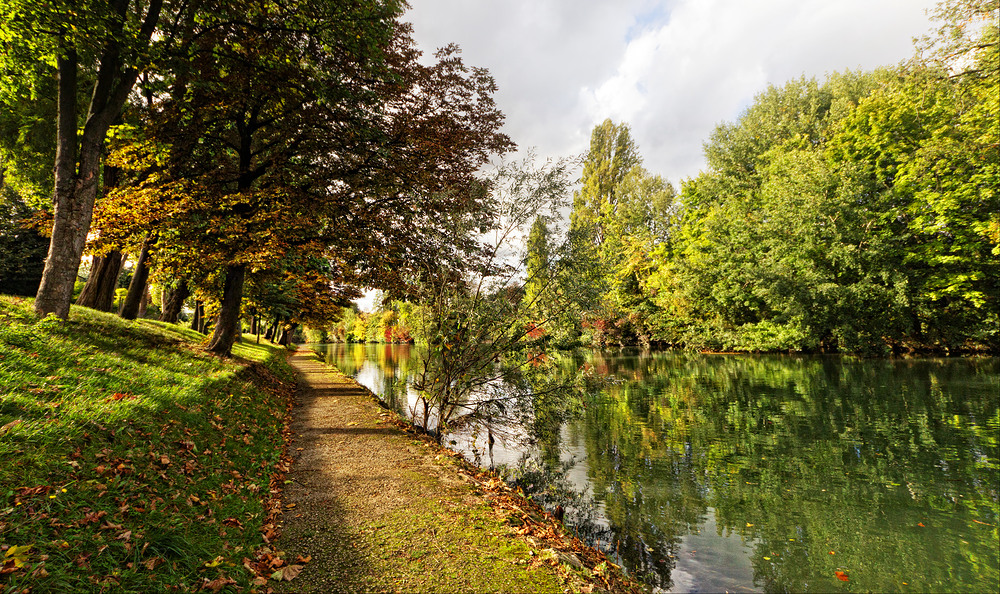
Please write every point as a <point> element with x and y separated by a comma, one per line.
<point>611,156</point>
<point>350,144</point>
<point>538,260</point>
<point>618,216</point>
<point>110,38</point>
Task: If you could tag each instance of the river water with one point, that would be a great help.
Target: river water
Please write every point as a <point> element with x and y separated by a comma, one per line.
<point>713,473</point>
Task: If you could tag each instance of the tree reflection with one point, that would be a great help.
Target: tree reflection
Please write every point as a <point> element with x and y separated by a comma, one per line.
<point>886,471</point>
<point>892,466</point>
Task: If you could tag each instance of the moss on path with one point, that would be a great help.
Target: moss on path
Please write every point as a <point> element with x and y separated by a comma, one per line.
<point>376,508</point>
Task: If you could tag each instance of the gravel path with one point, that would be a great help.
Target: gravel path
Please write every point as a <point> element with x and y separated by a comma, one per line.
<point>376,508</point>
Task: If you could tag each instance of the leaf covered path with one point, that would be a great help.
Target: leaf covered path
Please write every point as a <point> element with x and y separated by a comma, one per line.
<point>373,507</point>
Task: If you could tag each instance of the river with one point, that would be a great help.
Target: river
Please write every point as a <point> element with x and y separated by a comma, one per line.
<point>739,473</point>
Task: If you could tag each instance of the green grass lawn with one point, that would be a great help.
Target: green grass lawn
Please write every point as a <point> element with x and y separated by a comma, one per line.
<point>130,459</point>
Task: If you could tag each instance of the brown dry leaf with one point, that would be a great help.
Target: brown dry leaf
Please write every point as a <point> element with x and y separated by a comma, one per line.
<point>151,564</point>
<point>41,572</point>
<point>291,572</point>
<point>303,559</point>
<point>218,583</point>
<point>10,426</point>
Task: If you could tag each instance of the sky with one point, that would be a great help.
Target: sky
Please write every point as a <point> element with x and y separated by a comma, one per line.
<point>671,69</point>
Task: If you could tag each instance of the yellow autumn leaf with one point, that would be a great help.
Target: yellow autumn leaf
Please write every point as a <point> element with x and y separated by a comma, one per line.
<point>19,554</point>
<point>215,562</point>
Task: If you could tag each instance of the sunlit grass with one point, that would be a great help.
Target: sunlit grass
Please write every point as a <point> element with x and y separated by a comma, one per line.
<point>129,457</point>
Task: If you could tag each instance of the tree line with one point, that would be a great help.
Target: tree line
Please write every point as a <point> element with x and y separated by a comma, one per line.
<point>264,157</point>
<point>858,214</point>
<point>269,160</point>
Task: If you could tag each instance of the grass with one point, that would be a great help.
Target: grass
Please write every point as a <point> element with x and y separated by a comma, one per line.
<point>130,459</point>
<point>480,559</point>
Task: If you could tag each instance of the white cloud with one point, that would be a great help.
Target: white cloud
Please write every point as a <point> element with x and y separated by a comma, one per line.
<point>671,69</point>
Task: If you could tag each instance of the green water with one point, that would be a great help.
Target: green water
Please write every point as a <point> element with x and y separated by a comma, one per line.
<point>771,473</point>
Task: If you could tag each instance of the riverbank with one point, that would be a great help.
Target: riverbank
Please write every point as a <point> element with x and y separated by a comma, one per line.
<point>132,460</point>
<point>374,506</point>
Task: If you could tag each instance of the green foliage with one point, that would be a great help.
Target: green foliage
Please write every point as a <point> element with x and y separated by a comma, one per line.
<point>857,215</point>
<point>23,248</point>
<point>620,216</point>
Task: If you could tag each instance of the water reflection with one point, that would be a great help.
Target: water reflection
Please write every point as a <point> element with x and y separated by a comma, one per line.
<point>771,473</point>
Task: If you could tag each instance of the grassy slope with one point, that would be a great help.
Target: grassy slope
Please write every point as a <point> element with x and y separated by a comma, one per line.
<point>131,460</point>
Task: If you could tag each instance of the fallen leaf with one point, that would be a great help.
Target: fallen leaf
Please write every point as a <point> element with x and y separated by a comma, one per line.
<point>10,426</point>
<point>303,559</point>
<point>17,554</point>
<point>215,562</point>
<point>152,563</point>
<point>841,576</point>
<point>40,573</point>
<point>291,572</point>
<point>921,524</point>
<point>218,583</point>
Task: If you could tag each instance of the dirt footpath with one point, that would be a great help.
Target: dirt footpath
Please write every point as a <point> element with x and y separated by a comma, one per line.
<point>373,507</point>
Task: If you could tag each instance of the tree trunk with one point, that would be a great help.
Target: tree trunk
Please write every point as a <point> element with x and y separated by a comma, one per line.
<point>272,330</point>
<point>56,289</point>
<point>144,302</point>
<point>76,174</point>
<point>140,277</point>
<point>227,328</point>
<point>174,302</point>
<point>99,292</point>
<point>199,312</point>
<point>286,334</point>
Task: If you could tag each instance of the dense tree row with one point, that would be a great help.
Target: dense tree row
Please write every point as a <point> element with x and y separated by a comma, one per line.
<point>859,214</point>
<point>267,158</point>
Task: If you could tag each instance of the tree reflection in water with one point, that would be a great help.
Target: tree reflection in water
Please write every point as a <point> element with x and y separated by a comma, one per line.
<point>885,471</point>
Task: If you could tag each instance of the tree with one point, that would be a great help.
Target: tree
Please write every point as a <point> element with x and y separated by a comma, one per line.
<point>619,215</point>
<point>350,144</point>
<point>538,260</point>
<point>112,39</point>
<point>479,346</point>
<point>611,157</point>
